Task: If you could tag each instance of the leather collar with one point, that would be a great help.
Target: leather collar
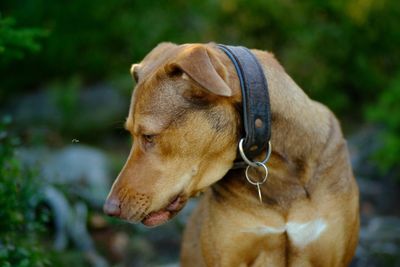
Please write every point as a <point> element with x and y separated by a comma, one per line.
<point>256,116</point>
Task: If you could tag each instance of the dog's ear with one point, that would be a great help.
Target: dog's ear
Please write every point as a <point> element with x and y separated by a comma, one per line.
<point>202,66</point>
<point>134,72</point>
<point>157,52</point>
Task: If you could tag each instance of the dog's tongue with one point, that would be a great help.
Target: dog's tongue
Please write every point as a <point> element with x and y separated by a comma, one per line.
<point>159,217</point>
<point>156,218</point>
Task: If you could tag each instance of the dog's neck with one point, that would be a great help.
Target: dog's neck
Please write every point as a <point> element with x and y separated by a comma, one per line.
<point>293,161</point>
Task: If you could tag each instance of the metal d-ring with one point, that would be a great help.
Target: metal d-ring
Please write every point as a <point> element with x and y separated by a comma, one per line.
<point>254,163</point>
<point>260,182</point>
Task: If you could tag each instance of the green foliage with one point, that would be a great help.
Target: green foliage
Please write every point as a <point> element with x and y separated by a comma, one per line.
<point>19,226</point>
<point>339,51</point>
<point>386,112</point>
<point>15,43</point>
<point>95,39</point>
<point>342,53</point>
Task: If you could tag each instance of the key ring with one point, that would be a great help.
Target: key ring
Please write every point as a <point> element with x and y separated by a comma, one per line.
<point>249,179</point>
<point>255,164</point>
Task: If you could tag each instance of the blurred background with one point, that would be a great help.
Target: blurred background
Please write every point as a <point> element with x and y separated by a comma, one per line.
<point>65,89</point>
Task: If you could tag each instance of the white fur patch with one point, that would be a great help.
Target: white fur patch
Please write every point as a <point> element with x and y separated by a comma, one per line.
<point>304,233</point>
<point>301,234</point>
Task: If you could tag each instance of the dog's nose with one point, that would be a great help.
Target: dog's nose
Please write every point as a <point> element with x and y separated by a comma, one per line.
<point>112,207</point>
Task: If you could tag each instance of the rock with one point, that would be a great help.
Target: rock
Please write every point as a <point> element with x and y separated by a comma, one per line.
<point>82,170</point>
<point>36,107</point>
<point>379,243</point>
<point>362,145</point>
<point>80,111</point>
<point>61,211</point>
<point>378,190</point>
<point>70,225</point>
<point>100,106</point>
<point>382,229</point>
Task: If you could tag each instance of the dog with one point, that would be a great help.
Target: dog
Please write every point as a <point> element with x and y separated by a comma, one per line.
<point>186,124</point>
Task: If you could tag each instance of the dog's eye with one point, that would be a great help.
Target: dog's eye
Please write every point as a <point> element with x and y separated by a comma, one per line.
<point>148,138</point>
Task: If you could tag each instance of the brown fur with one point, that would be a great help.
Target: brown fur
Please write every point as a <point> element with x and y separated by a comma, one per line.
<point>184,119</point>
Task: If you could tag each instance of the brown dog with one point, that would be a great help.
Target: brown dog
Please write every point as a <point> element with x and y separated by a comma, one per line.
<point>185,121</point>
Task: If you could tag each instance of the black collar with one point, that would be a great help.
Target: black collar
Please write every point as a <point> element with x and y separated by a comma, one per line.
<point>256,115</point>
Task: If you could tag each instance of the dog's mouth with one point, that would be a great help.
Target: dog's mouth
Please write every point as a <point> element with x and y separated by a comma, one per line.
<point>161,216</point>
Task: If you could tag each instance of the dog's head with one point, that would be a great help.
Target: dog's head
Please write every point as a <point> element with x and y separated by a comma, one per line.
<point>184,122</point>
